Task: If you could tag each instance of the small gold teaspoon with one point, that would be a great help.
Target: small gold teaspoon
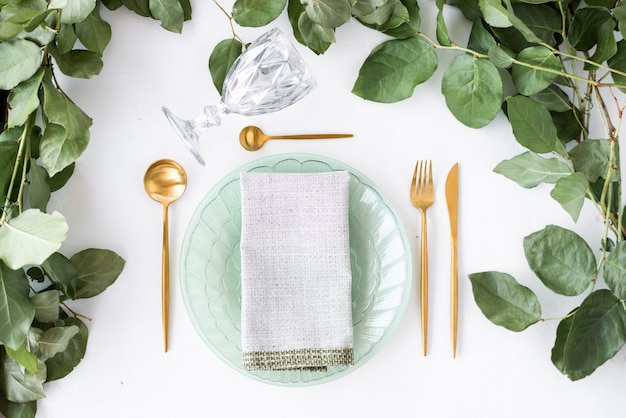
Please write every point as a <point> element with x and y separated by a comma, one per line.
<point>252,138</point>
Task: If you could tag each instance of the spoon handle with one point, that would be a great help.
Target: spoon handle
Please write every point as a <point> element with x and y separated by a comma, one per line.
<point>311,136</point>
<point>165,278</point>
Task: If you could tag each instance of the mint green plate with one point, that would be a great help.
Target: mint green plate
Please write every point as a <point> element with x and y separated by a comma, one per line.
<point>210,260</point>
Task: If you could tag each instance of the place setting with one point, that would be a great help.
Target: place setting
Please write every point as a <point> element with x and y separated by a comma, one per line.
<point>295,268</point>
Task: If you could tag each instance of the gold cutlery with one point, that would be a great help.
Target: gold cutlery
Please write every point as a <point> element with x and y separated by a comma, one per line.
<point>252,138</point>
<point>452,199</point>
<point>165,181</point>
<point>422,197</point>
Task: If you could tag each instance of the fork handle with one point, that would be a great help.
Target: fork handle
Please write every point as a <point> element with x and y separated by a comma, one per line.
<point>424,283</point>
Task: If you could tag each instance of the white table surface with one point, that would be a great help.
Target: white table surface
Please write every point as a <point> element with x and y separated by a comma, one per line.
<point>125,372</point>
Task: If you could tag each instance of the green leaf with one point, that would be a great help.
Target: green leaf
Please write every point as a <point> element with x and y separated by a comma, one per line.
<point>375,14</point>
<point>614,270</point>
<point>256,13</point>
<point>16,310</point>
<point>66,135</point>
<point>328,13</point>
<point>39,189</point>
<point>473,90</point>
<point>8,158</point>
<point>554,99</point>
<point>64,362</point>
<point>21,385</point>
<point>519,30</point>
<point>393,69</point>
<point>595,333</point>
<point>61,178</point>
<point>75,11</point>
<point>532,78</point>
<point>56,340</point>
<point>620,14</point>
<point>561,259</point>
<point>169,12</point>
<point>9,30</point>
<point>97,270</point>
<point>593,26</point>
<point>58,150</point>
<point>221,60</point>
<point>24,100</point>
<point>558,351</point>
<point>442,33</point>
<point>17,410</point>
<point>538,24</point>
<point>187,9</point>
<point>294,10</point>
<point>77,63</point>
<point>60,110</point>
<point>31,237</point>
<point>618,62</point>
<point>480,39</point>
<point>141,7</point>
<point>568,127</point>
<point>35,274</point>
<point>591,157</point>
<point>46,305</point>
<point>313,34</point>
<point>500,57</point>
<point>532,124</point>
<point>24,358</point>
<point>66,39</point>
<point>19,60</point>
<point>570,192</point>
<point>504,301</point>
<point>601,3</point>
<point>94,33</point>
<point>112,4</point>
<point>494,13</point>
<point>62,272</point>
<point>408,28</point>
<point>529,169</point>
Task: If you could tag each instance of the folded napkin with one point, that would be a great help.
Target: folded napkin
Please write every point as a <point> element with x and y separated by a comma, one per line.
<point>296,309</point>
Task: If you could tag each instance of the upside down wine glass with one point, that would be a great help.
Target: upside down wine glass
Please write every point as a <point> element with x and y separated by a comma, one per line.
<point>268,76</point>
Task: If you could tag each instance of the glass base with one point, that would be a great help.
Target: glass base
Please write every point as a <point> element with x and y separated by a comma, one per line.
<point>187,130</point>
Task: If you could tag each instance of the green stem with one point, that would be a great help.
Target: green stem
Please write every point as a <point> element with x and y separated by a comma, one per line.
<point>23,143</point>
<point>74,313</point>
<point>230,21</point>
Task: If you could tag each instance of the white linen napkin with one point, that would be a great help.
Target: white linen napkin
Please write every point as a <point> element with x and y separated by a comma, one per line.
<point>296,309</point>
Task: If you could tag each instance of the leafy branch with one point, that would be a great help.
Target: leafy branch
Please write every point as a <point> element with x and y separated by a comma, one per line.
<point>43,134</point>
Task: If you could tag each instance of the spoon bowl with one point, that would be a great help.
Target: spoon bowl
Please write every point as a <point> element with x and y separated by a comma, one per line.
<point>252,138</point>
<point>165,181</point>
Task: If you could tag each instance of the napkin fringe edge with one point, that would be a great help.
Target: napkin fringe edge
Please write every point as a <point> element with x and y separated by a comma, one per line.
<point>308,358</point>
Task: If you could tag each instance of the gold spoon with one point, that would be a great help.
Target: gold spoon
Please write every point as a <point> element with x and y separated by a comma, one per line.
<point>252,138</point>
<point>165,181</point>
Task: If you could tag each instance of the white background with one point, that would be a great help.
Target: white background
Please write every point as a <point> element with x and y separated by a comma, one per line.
<point>125,372</point>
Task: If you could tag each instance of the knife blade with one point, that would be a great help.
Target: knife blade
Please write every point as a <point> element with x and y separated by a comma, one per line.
<point>452,200</point>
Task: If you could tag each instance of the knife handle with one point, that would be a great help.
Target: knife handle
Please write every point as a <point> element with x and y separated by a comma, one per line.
<point>454,296</point>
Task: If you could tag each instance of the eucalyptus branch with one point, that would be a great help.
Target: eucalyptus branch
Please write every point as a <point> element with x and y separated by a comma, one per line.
<point>453,46</point>
<point>74,313</point>
<point>230,21</point>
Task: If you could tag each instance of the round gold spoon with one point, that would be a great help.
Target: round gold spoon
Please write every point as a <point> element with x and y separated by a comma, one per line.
<point>252,138</point>
<point>165,181</point>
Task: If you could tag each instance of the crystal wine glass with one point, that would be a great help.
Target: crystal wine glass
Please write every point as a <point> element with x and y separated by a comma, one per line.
<point>268,76</point>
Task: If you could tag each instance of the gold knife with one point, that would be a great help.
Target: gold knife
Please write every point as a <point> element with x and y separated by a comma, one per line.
<point>452,199</point>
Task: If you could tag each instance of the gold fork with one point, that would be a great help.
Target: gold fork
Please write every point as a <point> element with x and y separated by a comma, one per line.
<point>422,197</point>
